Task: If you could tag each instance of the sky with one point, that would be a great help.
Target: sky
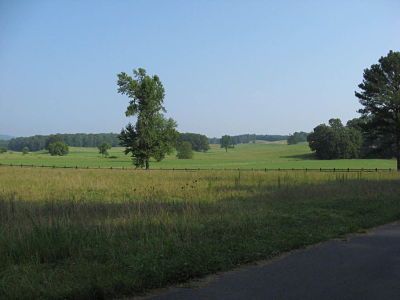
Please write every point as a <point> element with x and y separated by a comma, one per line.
<point>228,67</point>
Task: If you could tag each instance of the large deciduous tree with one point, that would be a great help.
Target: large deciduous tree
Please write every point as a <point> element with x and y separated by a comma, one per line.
<point>335,141</point>
<point>226,142</point>
<point>380,96</point>
<point>153,136</point>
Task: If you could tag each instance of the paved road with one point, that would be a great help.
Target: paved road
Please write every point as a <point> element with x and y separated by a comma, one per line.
<point>362,267</point>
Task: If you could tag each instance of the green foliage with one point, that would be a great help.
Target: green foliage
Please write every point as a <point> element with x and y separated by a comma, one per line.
<point>3,150</point>
<point>153,136</point>
<point>58,148</point>
<point>25,150</point>
<point>39,142</point>
<point>380,97</point>
<point>199,142</point>
<point>184,150</point>
<point>251,138</point>
<point>103,149</point>
<point>335,141</point>
<point>4,144</point>
<point>227,142</point>
<point>52,139</point>
<point>297,137</point>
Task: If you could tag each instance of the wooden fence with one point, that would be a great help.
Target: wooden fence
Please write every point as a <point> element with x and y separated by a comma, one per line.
<point>205,169</point>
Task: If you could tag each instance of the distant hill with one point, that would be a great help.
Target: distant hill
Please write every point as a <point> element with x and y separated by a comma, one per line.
<point>5,137</point>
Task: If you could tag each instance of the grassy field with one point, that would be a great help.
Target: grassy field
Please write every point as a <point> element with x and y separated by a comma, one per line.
<point>245,156</point>
<point>79,234</point>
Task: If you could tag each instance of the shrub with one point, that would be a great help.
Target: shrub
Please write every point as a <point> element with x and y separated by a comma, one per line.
<point>184,150</point>
<point>25,150</point>
<point>58,148</point>
<point>103,149</point>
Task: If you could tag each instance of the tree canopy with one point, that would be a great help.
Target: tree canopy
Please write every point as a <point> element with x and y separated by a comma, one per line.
<point>39,142</point>
<point>335,141</point>
<point>199,142</point>
<point>58,148</point>
<point>103,148</point>
<point>227,142</point>
<point>297,137</point>
<point>184,150</point>
<point>379,95</point>
<point>152,136</point>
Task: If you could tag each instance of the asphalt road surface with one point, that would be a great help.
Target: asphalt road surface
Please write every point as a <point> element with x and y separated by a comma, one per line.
<point>365,266</point>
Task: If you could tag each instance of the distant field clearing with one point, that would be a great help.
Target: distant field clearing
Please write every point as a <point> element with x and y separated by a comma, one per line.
<point>245,156</point>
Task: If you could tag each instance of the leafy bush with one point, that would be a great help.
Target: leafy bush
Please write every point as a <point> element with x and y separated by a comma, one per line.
<point>184,150</point>
<point>103,149</point>
<point>58,148</point>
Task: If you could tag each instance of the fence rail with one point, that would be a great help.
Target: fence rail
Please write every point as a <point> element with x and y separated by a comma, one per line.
<point>205,169</point>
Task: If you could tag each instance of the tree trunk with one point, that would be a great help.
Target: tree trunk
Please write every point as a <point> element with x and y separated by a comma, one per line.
<point>147,164</point>
<point>398,152</point>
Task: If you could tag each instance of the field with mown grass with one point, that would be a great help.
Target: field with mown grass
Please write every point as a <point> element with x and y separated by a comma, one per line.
<point>79,234</point>
<point>244,156</point>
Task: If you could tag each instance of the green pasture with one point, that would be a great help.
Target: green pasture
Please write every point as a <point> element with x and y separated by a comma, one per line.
<point>244,156</point>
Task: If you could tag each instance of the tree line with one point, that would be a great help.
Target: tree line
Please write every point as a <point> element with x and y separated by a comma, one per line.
<point>199,142</point>
<point>250,138</point>
<point>40,142</point>
<point>297,137</point>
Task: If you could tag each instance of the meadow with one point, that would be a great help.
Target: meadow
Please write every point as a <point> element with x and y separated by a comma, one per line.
<point>79,234</point>
<point>244,156</point>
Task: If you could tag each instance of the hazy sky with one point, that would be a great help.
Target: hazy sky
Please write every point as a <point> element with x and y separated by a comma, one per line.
<point>228,67</point>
